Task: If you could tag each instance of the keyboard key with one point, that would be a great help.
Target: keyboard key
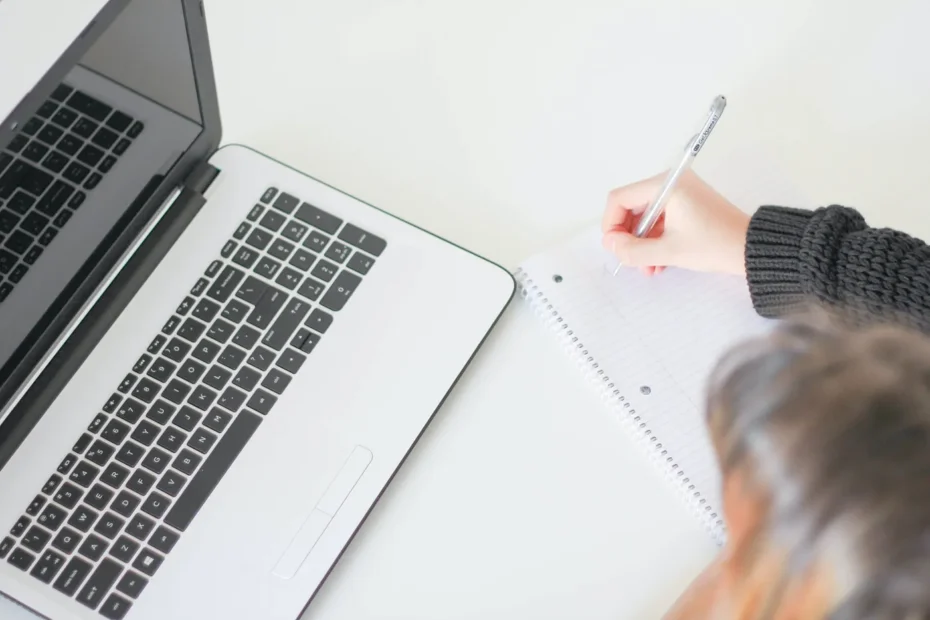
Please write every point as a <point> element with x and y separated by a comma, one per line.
<point>294,231</point>
<point>121,146</point>
<point>104,138</point>
<point>98,497</point>
<point>109,525</point>
<point>326,222</point>
<point>262,401</point>
<point>316,241</point>
<point>93,180</point>
<point>115,607</point>
<point>77,200</point>
<point>281,249</point>
<point>311,289</point>
<point>69,145</point>
<point>202,398</point>
<point>206,351</point>
<point>177,350</point>
<point>155,505</point>
<point>202,484</point>
<point>206,310</point>
<point>34,223</point>
<point>252,290</point>
<point>266,309</point>
<point>246,337</point>
<point>76,173</point>
<point>124,549</point>
<point>319,321</point>
<point>185,306</point>
<point>61,92</point>
<point>232,399</point>
<point>18,242</point>
<point>302,259</point>
<point>48,236</point>
<point>7,260</point>
<point>36,505</point>
<point>365,241</point>
<point>115,432</point>
<point>107,164</point>
<point>66,464</point>
<point>242,230</point>
<point>155,461</point>
<point>261,358</point>
<point>341,290</point>
<point>228,249</point>
<point>157,344</point>
<point>5,289</point>
<point>93,547</point>
<point>286,203</point>
<point>82,519</point>
<point>191,330</point>
<point>62,218</point>
<point>21,202</point>
<point>119,121</point>
<point>47,566</point>
<point>161,412</point>
<point>290,360</point>
<point>270,193</point>
<point>289,278</point>
<point>186,461</point>
<point>36,539</point>
<point>46,109</point>
<point>164,539</point>
<point>136,129</point>
<point>246,379</point>
<point>131,411</point>
<point>305,340</point>
<point>191,371</point>
<point>35,151</point>
<point>19,528</point>
<point>67,540</point>
<point>162,369</point>
<point>51,484</point>
<point>21,559</point>
<point>172,439</point>
<point>217,420</point>
<point>99,583</point>
<point>90,155</point>
<point>142,363</point>
<point>97,423</point>
<point>245,257</point>
<point>217,377</point>
<point>276,381</point>
<point>272,220</point>
<point>146,433</point>
<point>226,284</point>
<point>147,562</point>
<point>267,267</point>
<point>130,454</point>
<point>132,584</point>
<point>221,331</point>
<point>68,495</point>
<point>89,106</point>
<point>125,504</point>
<point>199,287</point>
<point>187,418</point>
<point>141,482</point>
<point>114,475</point>
<point>50,134</point>
<point>176,391</point>
<point>18,272</point>
<point>16,145</point>
<point>84,473</point>
<point>235,311</point>
<point>5,545</point>
<point>283,329</point>
<point>73,575</point>
<point>254,214</point>
<point>324,270</point>
<point>171,483</point>
<point>126,384</point>
<point>259,239</point>
<point>337,252</point>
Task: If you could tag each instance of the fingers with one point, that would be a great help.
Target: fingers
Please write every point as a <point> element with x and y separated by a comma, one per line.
<point>639,252</point>
<point>625,201</point>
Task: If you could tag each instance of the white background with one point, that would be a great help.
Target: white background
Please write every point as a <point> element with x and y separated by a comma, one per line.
<point>501,125</point>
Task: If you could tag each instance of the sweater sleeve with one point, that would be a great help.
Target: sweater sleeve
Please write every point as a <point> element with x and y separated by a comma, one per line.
<point>831,257</point>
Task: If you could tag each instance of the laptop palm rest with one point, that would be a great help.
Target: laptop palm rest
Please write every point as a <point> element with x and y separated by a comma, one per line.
<point>315,524</point>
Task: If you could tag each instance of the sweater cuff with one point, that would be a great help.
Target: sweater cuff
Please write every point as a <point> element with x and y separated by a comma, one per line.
<point>772,259</point>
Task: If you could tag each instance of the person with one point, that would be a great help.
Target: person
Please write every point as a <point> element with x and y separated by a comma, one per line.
<point>791,257</point>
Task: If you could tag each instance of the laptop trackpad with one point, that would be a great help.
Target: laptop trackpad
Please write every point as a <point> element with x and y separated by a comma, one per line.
<point>322,514</point>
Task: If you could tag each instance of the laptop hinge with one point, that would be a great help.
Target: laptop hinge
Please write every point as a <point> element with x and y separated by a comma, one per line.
<point>201,177</point>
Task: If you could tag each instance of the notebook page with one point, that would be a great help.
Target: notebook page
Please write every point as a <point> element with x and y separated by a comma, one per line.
<point>657,339</point>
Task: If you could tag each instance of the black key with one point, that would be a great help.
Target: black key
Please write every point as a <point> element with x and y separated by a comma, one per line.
<point>252,290</point>
<point>191,371</point>
<point>202,484</point>
<point>8,221</point>
<point>99,583</point>
<point>218,377</point>
<point>246,337</point>
<point>104,138</point>
<point>125,504</point>
<point>20,526</point>
<point>16,145</point>
<point>176,391</point>
<point>5,545</point>
<point>191,329</point>
<point>73,575</point>
<point>84,473</point>
<point>294,231</point>
<point>221,330</point>
<point>66,464</point>
<point>326,222</point>
<point>93,180</point>
<point>36,539</point>
<point>171,483</point>
<point>162,369</point>
<point>340,291</point>
<point>261,358</point>
<point>259,239</point>
<point>241,231</point>
<point>124,549</point>
<point>47,236</point>
<point>218,420</point>
<point>5,289</point>
<point>142,363</point>
<point>54,199</point>
<point>309,342</point>
<point>68,495</point>
<point>281,249</point>
<point>324,270</point>
<point>18,272</point>
<point>90,155</point>
<point>50,134</point>
<point>289,278</point>
<point>97,423</point>
<point>206,351</point>
<point>245,257</point>
<point>164,539</point>
<point>232,399</point>
<point>270,193</point>
<point>267,267</point>
<point>77,200</point>
<point>157,344</point>
<point>319,321</point>
<point>228,249</point>
<point>115,432</point>
<point>246,379</point>
<point>273,221</point>
<point>213,268</point>
<point>36,505</point>
<point>46,109</point>
<point>172,439</point>
<point>19,242</point>
<point>177,350</point>
<point>286,203</point>
<point>262,401</point>
<point>98,497</point>
<point>155,505</point>
<point>199,287</point>
<point>276,381</point>
<point>256,211</point>
<point>82,518</point>
<point>145,433</point>
<point>114,475</point>
<point>21,559</point>
<point>93,547</point>
<point>109,525</point>
<point>121,146</point>
<point>160,412</point>
<point>131,585</point>
<point>231,358</point>
<point>226,284</point>
<point>202,441</point>
<point>107,164</point>
<point>119,121</point>
<point>130,454</point>
<point>267,307</point>
<point>202,398</point>
<point>47,566</point>
<point>7,261</point>
<point>51,484</point>
<point>140,527</point>
<point>235,311</point>
<point>142,481</point>
<point>185,306</point>
<point>35,151</point>
<point>136,129</point>
<point>284,328</point>
<point>302,259</point>
<point>34,223</point>
<point>206,310</point>
<point>65,117</point>
<point>88,105</point>
<point>290,360</point>
<point>131,410</point>
<point>187,461</point>
<point>76,173</point>
<point>365,241</point>
<point>316,241</point>
<point>21,202</point>
<point>337,252</point>
<point>115,607</point>
<point>311,289</point>
<point>147,562</point>
<point>5,160</point>
<point>187,418</point>
<point>67,540</point>
<point>61,92</point>
<point>69,145</point>
<point>155,461</point>
<point>171,325</point>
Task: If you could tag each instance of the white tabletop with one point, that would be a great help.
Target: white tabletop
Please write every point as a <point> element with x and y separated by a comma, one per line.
<point>501,125</point>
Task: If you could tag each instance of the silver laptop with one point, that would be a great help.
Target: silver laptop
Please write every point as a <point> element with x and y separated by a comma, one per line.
<point>211,364</point>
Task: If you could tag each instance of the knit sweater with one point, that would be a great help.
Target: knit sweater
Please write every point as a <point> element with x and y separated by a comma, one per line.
<point>831,257</point>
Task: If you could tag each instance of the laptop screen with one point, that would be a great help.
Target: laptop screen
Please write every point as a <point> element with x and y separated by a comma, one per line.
<point>72,174</point>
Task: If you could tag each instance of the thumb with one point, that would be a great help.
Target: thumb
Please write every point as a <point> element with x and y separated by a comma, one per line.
<point>635,251</point>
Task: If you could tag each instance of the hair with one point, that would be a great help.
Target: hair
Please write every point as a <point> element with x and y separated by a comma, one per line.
<point>831,423</point>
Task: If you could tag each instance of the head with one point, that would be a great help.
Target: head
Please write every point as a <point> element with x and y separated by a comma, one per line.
<point>823,439</point>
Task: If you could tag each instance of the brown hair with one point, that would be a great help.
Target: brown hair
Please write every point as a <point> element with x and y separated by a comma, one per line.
<point>832,425</point>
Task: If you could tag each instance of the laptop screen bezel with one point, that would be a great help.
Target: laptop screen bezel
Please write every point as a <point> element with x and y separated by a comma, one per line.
<point>16,419</point>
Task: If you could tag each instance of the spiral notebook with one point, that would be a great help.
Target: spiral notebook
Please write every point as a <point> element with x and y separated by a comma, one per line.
<point>648,345</point>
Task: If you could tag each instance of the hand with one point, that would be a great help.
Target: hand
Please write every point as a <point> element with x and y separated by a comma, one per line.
<point>699,229</point>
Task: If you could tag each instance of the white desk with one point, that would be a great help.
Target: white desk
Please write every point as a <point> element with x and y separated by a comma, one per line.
<point>501,125</point>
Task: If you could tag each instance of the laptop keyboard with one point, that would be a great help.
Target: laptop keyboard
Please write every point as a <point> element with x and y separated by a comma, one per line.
<point>58,156</point>
<point>103,524</point>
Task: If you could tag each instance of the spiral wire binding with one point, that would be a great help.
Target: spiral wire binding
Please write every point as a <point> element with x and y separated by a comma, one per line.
<point>620,405</point>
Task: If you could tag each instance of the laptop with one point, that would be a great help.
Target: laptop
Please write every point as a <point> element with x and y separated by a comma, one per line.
<point>211,364</point>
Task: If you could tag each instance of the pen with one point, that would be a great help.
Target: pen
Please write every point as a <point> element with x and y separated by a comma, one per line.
<point>654,211</point>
